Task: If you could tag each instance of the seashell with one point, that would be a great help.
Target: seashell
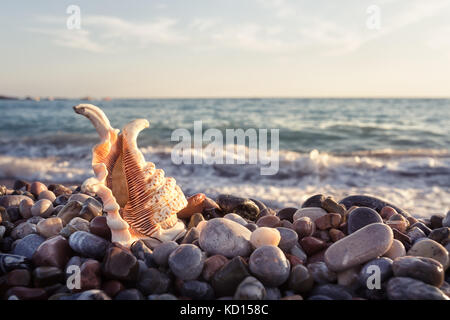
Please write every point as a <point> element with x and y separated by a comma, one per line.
<point>141,203</point>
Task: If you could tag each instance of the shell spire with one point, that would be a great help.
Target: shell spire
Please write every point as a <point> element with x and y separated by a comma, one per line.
<point>141,203</point>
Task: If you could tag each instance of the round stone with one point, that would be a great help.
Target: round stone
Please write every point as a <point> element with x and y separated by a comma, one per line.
<point>186,261</point>
<point>396,250</point>
<point>359,247</point>
<point>304,227</point>
<point>250,289</point>
<point>43,208</point>
<point>212,265</point>
<point>46,194</point>
<point>119,264</point>
<point>88,244</point>
<point>69,211</point>
<point>430,249</point>
<point>381,265</point>
<point>37,187</point>
<point>362,217</point>
<point>99,227</point>
<point>236,218</point>
<point>49,227</point>
<point>265,236</point>
<point>268,221</point>
<point>153,281</point>
<point>22,230</point>
<point>424,269</point>
<point>289,239</point>
<point>162,252</point>
<point>195,219</point>
<point>47,276</point>
<point>80,197</point>
<point>25,208</point>
<point>403,288</point>
<point>300,279</point>
<point>28,245</point>
<point>269,265</point>
<point>332,291</point>
<point>225,237</point>
<point>441,235</point>
<point>312,212</point>
<point>227,278</point>
<point>287,214</point>
<point>54,252</point>
<point>320,273</point>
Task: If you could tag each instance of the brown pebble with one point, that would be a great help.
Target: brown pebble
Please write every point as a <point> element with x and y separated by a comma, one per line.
<point>312,245</point>
<point>336,234</point>
<point>24,293</point>
<point>195,204</point>
<point>293,260</point>
<point>37,187</point>
<point>54,252</point>
<point>268,221</point>
<point>331,220</point>
<point>330,205</point>
<point>212,265</point>
<point>18,278</point>
<point>112,287</point>
<point>99,227</point>
<point>304,227</point>
<point>387,212</point>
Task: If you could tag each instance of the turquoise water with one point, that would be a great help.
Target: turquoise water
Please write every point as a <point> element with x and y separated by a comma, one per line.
<point>396,148</point>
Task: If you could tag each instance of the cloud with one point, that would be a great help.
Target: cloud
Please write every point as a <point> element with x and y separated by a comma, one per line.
<point>280,7</point>
<point>99,33</point>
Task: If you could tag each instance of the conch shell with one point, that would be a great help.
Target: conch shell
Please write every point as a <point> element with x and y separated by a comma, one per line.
<point>141,203</point>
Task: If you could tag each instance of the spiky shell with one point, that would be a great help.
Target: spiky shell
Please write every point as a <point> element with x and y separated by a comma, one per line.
<point>140,201</point>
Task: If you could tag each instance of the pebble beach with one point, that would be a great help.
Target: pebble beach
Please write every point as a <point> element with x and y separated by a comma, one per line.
<point>235,248</point>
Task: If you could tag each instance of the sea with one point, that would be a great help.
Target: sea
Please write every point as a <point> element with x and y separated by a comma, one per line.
<point>396,149</point>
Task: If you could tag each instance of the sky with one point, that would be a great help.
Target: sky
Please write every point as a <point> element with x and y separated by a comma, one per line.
<point>227,48</point>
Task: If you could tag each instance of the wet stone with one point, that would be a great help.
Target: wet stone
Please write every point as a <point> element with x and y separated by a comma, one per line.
<point>289,239</point>
<point>384,265</point>
<point>226,280</point>
<point>192,235</point>
<point>120,264</point>
<point>54,252</point>
<point>314,201</point>
<point>320,273</point>
<point>28,245</point>
<point>422,227</point>
<point>153,281</point>
<point>241,206</point>
<point>71,210</point>
<point>91,208</point>
<point>47,276</point>
<point>312,213</point>
<point>361,246</point>
<point>25,208</point>
<point>162,251</point>
<point>441,235</point>
<point>250,289</point>
<point>90,275</point>
<point>42,208</point>
<point>300,279</point>
<point>22,230</point>
<point>287,214</point>
<point>416,233</point>
<point>269,265</point>
<point>436,221</point>
<point>49,227</point>
<point>330,205</point>
<point>88,245</point>
<point>212,265</point>
<point>430,249</point>
<point>197,290</point>
<point>195,219</point>
<point>362,217</point>
<point>312,245</point>
<point>186,261</point>
<point>403,288</point>
<point>304,227</point>
<point>225,237</point>
<point>424,269</point>
<point>268,221</point>
<point>99,227</point>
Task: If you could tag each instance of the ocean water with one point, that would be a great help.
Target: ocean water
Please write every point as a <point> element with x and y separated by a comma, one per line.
<point>397,149</point>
